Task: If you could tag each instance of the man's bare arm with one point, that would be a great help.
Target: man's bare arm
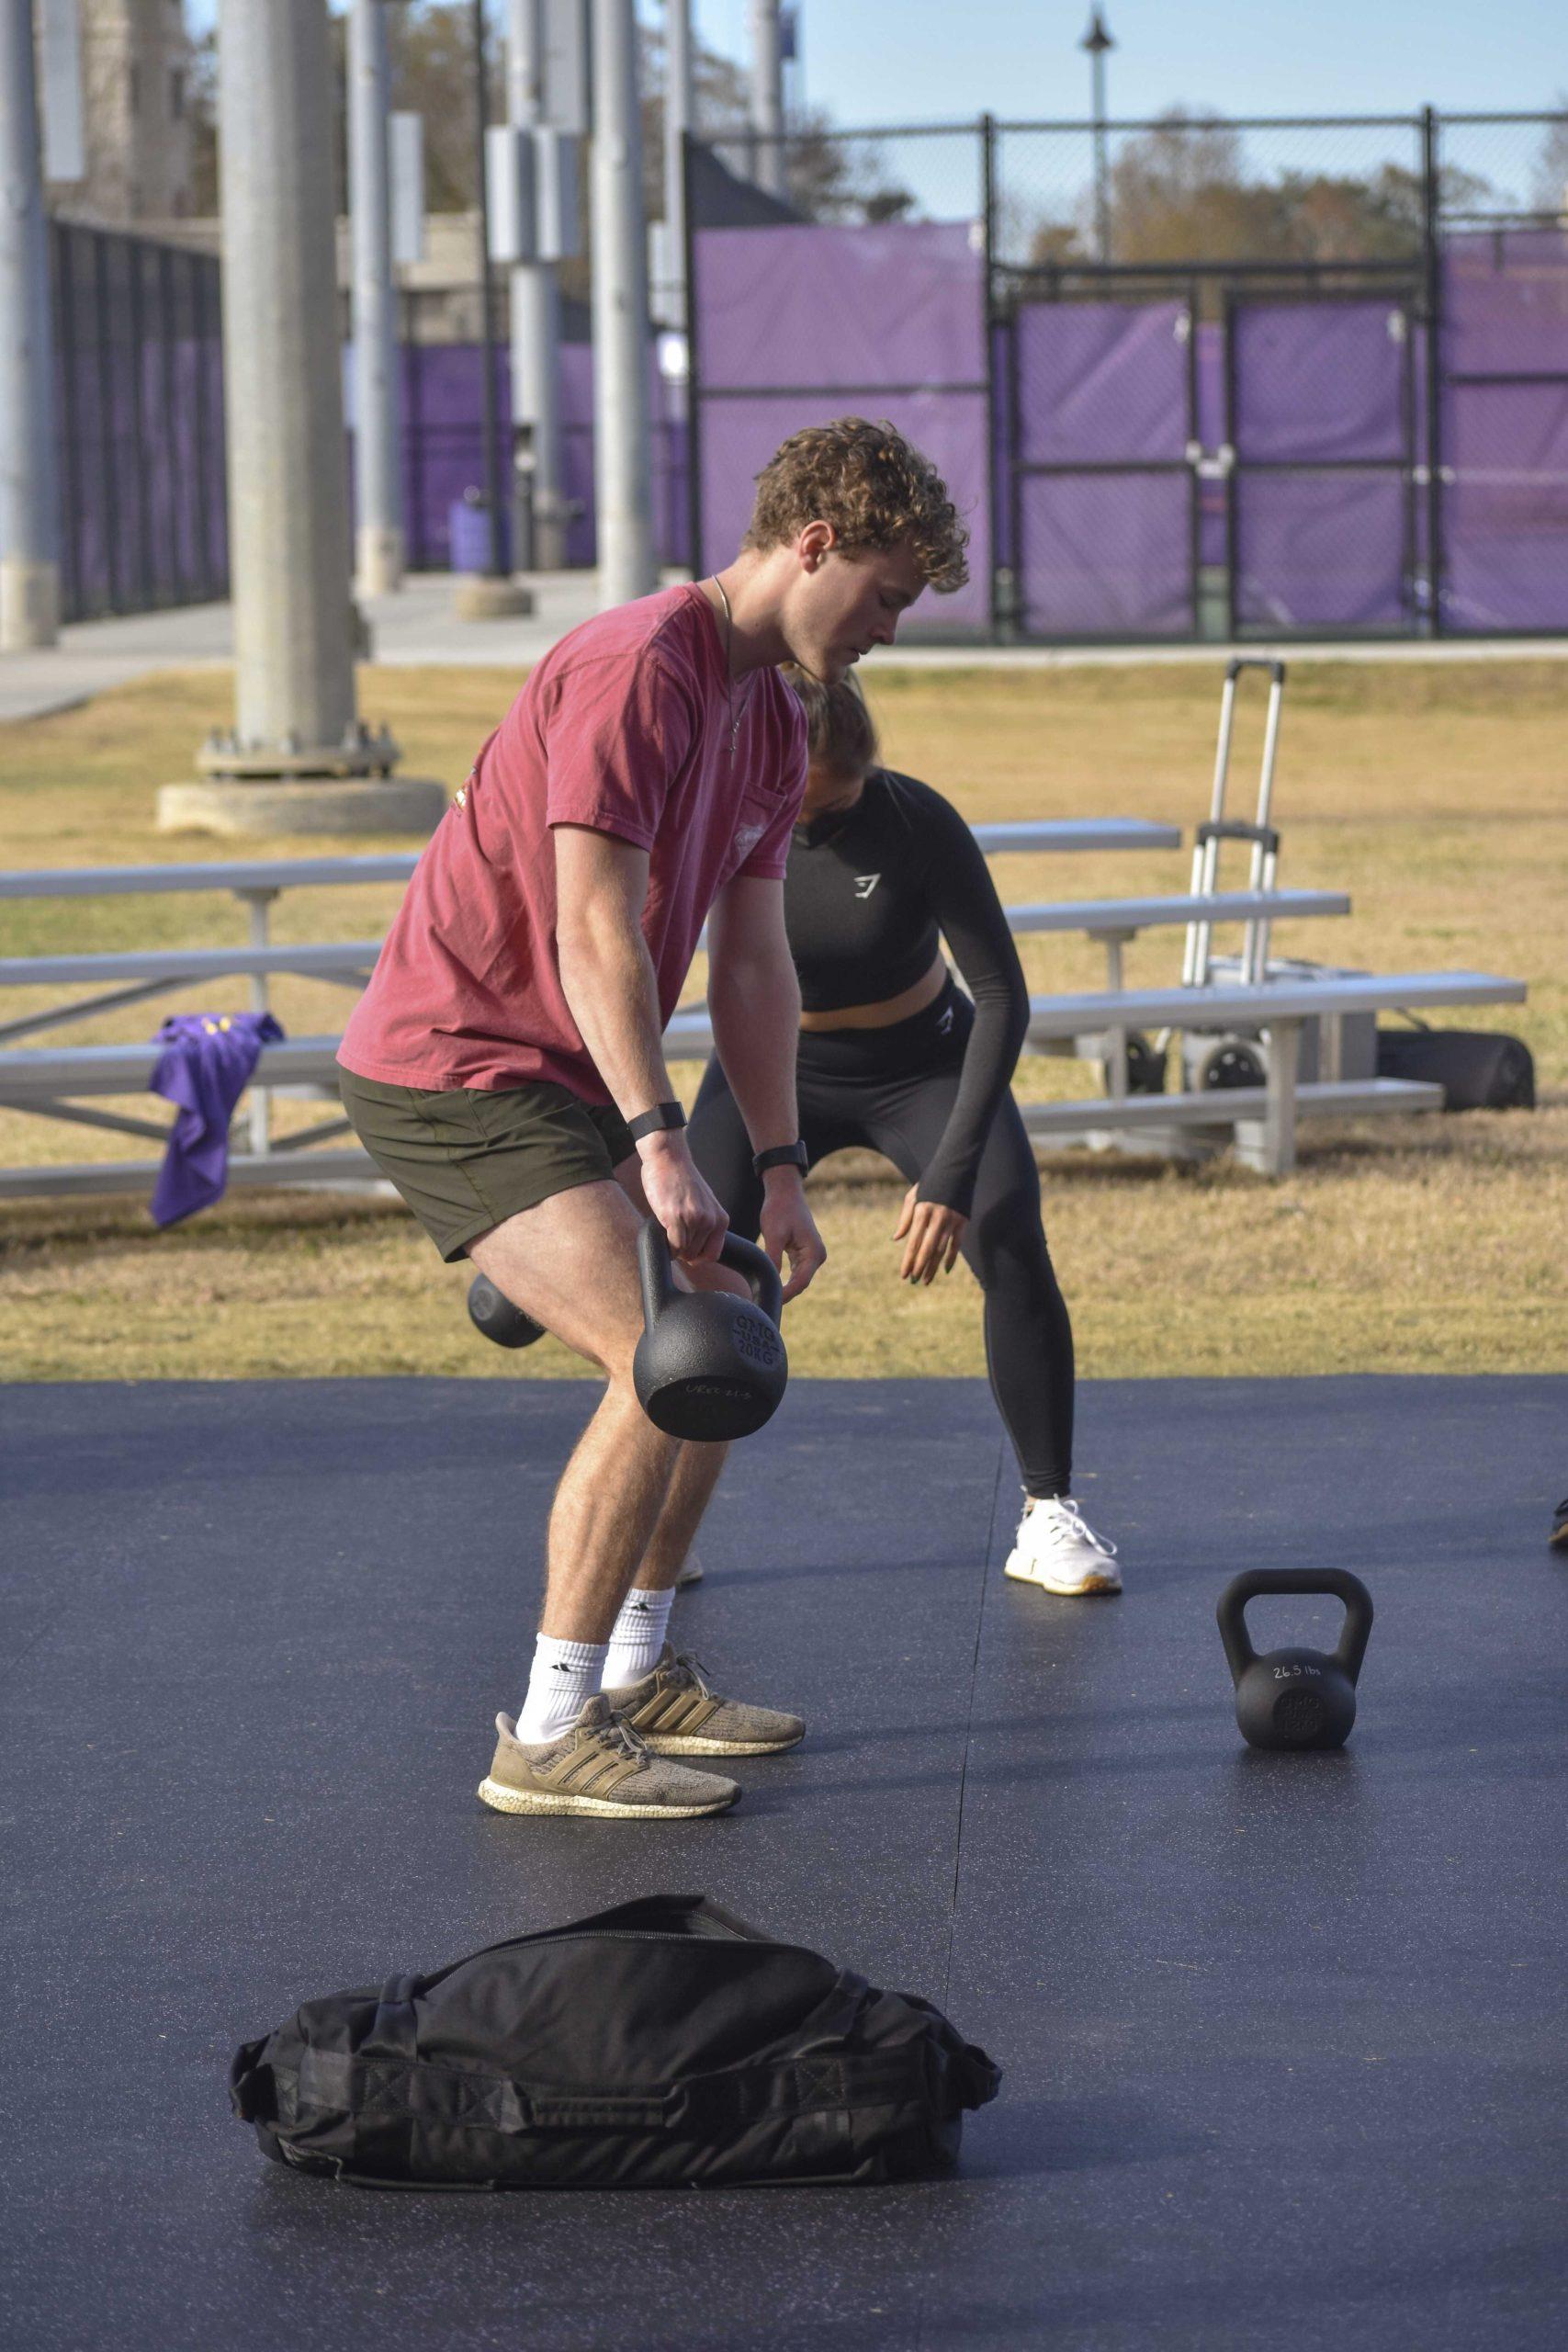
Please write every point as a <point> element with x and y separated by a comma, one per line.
<point>608,980</point>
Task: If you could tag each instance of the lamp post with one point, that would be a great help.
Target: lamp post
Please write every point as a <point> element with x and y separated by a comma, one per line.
<point>1097,42</point>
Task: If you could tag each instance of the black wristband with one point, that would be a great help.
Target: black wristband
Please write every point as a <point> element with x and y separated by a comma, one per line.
<point>782,1155</point>
<point>662,1119</point>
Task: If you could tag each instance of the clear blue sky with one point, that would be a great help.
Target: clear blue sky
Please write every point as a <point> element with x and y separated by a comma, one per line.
<point>926,61</point>
<point>921,61</point>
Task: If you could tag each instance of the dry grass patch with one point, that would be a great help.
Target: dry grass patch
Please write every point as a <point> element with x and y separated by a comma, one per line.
<point>1433,794</point>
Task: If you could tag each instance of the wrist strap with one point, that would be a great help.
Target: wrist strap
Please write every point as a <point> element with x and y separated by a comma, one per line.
<point>780,1155</point>
<point>662,1119</point>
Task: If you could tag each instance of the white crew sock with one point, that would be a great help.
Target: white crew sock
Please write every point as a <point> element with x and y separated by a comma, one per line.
<point>637,1637</point>
<point>565,1675</point>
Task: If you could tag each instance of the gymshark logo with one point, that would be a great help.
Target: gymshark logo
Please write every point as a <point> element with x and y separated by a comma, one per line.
<point>641,1608</point>
<point>865,884</point>
<point>945,1023</point>
<point>745,839</point>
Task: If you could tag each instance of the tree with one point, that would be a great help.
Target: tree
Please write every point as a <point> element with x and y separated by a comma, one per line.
<point>1180,194</point>
<point>1549,191</point>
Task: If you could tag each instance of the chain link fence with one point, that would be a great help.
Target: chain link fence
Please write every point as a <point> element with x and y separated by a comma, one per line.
<point>139,407</point>
<point>1242,378</point>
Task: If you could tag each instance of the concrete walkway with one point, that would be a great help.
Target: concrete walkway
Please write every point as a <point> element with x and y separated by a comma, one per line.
<point>419,628</point>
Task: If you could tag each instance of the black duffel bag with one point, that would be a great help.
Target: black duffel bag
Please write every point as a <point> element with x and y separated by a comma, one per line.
<point>661,2044</point>
<point>1478,1069</point>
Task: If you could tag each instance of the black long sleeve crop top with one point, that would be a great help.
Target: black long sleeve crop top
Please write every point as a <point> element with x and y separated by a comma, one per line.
<point>866,893</point>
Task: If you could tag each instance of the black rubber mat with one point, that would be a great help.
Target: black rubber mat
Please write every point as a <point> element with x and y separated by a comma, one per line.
<point>1283,2036</point>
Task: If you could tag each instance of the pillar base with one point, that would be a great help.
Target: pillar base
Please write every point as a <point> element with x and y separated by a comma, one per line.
<point>329,805</point>
<point>29,604</point>
<point>379,570</point>
<point>480,598</point>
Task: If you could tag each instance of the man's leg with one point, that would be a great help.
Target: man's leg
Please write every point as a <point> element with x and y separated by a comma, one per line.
<point>571,1263</point>
<point>690,1491</point>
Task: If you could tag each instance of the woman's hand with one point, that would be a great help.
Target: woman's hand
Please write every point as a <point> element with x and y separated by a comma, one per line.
<point>931,1235</point>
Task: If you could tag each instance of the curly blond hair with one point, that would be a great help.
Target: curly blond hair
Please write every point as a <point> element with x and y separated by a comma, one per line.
<point>873,487</point>
<point>840,733</point>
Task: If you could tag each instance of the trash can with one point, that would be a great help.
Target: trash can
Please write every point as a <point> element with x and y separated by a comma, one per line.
<point>468,528</point>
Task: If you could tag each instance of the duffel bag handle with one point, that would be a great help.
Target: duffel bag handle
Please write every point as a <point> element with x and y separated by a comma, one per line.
<point>584,2110</point>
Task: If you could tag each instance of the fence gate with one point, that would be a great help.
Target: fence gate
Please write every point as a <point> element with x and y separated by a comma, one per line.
<point>800,323</point>
<point>1099,435</point>
<point>1322,461</point>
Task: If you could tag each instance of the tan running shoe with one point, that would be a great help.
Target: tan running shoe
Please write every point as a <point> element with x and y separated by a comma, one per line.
<point>676,1713</point>
<point>598,1766</point>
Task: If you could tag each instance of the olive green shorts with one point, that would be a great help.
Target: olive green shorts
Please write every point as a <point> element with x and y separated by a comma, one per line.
<point>467,1158</point>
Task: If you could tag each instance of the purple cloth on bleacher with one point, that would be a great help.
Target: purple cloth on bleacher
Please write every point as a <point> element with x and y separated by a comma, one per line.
<point>204,1069</point>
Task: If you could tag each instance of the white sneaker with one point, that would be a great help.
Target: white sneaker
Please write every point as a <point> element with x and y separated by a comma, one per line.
<point>1057,1547</point>
<point>690,1572</point>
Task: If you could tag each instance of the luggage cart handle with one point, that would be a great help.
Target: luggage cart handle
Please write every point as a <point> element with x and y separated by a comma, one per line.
<point>1240,662</point>
<point>1235,828</point>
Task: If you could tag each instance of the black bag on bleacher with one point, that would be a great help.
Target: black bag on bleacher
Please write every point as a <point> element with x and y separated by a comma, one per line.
<point>1479,1069</point>
<point>661,2045</point>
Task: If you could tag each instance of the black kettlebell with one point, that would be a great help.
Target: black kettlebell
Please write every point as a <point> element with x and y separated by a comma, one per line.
<point>1295,1697</point>
<point>709,1365</point>
<point>492,1312</point>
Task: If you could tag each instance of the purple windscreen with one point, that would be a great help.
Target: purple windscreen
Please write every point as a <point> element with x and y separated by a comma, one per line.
<point>1106,555</point>
<point>1505,303</point>
<point>1506,509</point>
<point>444,448</point>
<point>1320,550</point>
<point>813,309</point>
<point>1321,385</point>
<point>1102,383</point>
<point>1319,382</point>
<point>1505,441</point>
<point>796,325</point>
<point>1102,552</point>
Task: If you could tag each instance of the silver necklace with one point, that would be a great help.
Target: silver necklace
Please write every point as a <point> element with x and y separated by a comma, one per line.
<point>735,717</point>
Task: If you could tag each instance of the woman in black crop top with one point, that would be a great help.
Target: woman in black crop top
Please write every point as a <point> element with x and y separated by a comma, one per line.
<point>893,1056</point>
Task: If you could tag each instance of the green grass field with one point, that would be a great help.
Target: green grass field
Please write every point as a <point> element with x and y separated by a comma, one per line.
<point>1436,794</point>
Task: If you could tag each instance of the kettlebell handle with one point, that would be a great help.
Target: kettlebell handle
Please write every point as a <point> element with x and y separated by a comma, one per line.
<point>1252,1582</point>
<point>657,1276</point>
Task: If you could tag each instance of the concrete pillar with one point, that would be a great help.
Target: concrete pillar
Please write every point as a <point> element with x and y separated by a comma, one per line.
<point>296,760</point>
<point>767,96</point>
<point>287,485</point>
<point>678,120</point>
<point>623,472</point>
<point>378,434</point>
<point>536,327</point>
<point>29,489</point>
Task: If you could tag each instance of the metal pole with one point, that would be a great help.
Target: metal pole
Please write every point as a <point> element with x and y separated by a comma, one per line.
<point>1431,204</point>
<point>678,110</point>
<point>539,488</point>
<point>287,478</point>
<point>29,493</point>
<point>1098,43</point>
<point>767,96</point>
<point>495,487</point>
<point>376,425</point>
<point>622,468</point>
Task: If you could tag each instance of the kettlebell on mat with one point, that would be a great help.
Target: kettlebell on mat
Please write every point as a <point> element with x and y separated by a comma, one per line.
<point>709,1365</point>
<point>492,1312</point>
<point>1295,1697</point>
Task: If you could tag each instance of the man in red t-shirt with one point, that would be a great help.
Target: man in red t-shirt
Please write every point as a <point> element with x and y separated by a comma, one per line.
<point>504,1067</point>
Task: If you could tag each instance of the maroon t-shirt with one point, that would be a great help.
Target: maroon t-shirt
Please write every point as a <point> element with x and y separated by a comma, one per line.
<point>624,727</point>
